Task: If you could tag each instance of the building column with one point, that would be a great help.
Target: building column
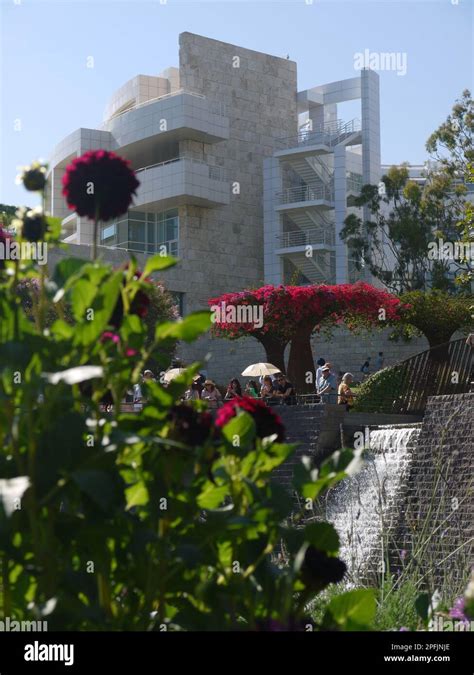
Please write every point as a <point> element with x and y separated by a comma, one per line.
<point>272,183</point>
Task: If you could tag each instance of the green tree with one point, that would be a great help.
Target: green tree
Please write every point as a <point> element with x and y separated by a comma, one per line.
<point>435,314</point>
<point>405,218</point>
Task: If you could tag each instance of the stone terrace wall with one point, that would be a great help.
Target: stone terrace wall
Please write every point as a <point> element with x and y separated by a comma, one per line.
<point>316,429</point>
<point>437,516</point>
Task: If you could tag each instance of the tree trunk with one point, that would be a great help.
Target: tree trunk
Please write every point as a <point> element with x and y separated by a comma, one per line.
<point>301,362</point>
<point>275,350</point>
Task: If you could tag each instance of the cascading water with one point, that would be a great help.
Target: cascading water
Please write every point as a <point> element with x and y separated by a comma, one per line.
<point>363,506</point>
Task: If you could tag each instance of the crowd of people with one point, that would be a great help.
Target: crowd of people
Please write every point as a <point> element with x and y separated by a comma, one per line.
<point>330,387</point>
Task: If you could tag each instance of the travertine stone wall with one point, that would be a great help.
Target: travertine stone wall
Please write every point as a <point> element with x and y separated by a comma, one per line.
<point>222,248</point>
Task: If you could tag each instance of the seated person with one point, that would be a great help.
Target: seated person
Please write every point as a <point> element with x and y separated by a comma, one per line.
<point>251,389</point>
<point>212,395</point>
<point>267,390</point>
<point>327,386</point>
<point>285,391</point>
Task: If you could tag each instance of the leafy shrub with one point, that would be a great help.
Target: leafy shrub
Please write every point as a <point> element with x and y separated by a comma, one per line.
<point>379,391</point>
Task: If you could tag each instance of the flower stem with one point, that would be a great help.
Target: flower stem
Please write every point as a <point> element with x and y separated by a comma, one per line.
<point>96,232</point>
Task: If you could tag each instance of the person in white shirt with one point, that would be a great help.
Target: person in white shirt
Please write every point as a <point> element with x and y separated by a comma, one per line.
<point>319,371</point>
<point>327,386</point>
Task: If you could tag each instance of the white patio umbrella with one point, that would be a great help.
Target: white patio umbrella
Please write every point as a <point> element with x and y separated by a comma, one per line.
<point>258,369</point>
<point>172,373</point>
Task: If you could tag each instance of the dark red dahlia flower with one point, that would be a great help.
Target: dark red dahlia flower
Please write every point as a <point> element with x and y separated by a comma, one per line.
<point>99,184</point>
<point>319,570</point>
<point>266,421</point>
<point>189,425</point>
<point>34,226</point>
<point>34,177</point>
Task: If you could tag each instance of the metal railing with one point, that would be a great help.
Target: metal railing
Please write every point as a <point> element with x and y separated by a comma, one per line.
<point>329,134</point>
<point>214,172</point>
<point>305,237</point>
<point>305,193</point>
<point>215,107</point>
<point>170,246</point>
<point>441,370</point>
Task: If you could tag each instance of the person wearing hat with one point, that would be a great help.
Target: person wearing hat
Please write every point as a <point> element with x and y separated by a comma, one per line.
<point>327,385</point>
<point>194,391</point>
<point>211,394</point>
<point>320,363</point>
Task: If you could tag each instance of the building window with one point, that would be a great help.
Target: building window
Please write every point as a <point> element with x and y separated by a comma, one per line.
<point>108,235</point>
<point>144,232</point>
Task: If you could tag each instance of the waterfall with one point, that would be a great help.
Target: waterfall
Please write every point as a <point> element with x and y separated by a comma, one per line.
<point>364,506</point>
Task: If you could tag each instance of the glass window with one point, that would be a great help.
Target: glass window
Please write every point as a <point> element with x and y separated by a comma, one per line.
<point>136,215</point>
<point>108,234</point>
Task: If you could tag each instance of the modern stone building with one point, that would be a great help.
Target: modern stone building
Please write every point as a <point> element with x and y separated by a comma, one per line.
<point>239,173</point>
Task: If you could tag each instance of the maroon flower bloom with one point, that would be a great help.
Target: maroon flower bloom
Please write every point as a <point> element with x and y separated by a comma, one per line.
<point>34,225</point>
<point>319,570</point>
<point>99,184</point>
<point>266,421</point>
<point>34,177</point>
<point>189,425</point>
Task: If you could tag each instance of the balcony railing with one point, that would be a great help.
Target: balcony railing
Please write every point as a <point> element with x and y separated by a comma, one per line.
<point>306,237</point>
<point>215,107</point>
<point>215,172</point>
<point>306,193</point>
<point>171,246</point>
<point>329,134</point>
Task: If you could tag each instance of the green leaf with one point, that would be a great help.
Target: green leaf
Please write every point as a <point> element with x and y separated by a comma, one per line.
<point>322,536</point>
<point>82,294</point>
<point>187,329</point>
<point>97,485</point>
<point>62,329</point>
<point>102,304</point>
<point>422,606</point>
<point>66,268</point>
<point>212,496</point>
<point>158,262</point>
<point>353,610</point>
<point>240,431</point>
<point>136,495</point>
<point>54,227</point>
